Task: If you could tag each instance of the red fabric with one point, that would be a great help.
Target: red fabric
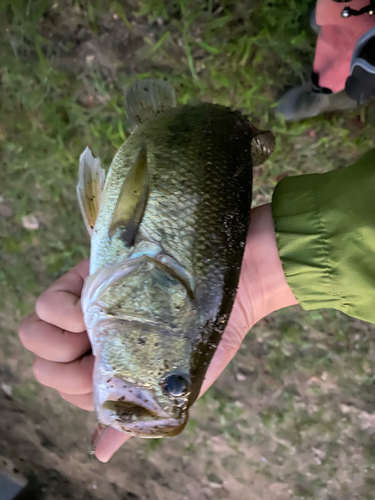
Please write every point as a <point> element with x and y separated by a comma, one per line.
<point>336,41</point>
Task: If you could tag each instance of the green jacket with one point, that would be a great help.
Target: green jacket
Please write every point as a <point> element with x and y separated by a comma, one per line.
<point>325,230</point>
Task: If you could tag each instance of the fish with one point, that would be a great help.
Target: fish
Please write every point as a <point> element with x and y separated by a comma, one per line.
<point>168,226</point>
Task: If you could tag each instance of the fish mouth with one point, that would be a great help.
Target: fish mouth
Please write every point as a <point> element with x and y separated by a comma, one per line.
<point>140,421</point>
<point>137,412</point>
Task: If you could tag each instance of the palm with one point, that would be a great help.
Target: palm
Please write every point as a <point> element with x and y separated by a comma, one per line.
<point>56,332</point>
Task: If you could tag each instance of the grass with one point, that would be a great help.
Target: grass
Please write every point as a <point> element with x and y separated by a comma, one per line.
<point>64,65</point>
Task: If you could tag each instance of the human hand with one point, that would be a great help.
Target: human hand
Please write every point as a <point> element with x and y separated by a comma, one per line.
<point>56,334</point>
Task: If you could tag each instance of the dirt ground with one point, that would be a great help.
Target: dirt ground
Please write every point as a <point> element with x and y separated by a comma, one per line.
<point>48,441</point>
<point>293,415</point>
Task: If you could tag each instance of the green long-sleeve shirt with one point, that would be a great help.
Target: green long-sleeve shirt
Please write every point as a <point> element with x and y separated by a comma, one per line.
<point>325,230</point>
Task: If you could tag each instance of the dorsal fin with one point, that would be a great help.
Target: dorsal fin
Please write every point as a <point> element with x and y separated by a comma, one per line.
<point>146,99</point>
<point>132,200</point>
<point>91,179</point>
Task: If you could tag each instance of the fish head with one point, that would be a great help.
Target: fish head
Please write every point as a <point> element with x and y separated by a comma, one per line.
<point>142,380</point>
<point>138,318</point>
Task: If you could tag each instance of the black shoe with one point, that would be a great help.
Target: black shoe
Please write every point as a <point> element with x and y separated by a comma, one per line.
<point>310,100</point>
<point>360,85</point>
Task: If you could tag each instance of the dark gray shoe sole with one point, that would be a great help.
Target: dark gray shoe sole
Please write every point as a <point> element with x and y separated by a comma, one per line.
<point>300,103</point>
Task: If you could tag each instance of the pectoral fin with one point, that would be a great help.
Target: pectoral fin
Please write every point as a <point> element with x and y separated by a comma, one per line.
<point>132,201</point>
<point>262,146</point>
<point>91,179</point>
<point>146,99</point>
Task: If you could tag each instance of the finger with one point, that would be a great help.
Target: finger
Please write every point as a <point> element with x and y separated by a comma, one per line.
<point>70,378</point>
<point>51,342</point>
<point>109,443</point>
<point>83,401</point>
<point>60,304</point>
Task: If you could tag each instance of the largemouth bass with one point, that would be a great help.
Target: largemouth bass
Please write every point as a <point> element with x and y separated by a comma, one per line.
<point>168,229</point>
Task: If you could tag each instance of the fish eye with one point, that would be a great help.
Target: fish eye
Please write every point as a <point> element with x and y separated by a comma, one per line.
<point>176,385</point>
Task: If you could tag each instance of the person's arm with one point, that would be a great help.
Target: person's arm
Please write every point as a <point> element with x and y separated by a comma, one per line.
<point>325,228</point>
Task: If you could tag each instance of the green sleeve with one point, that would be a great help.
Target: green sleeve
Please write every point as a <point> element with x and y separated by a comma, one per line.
<point>325,230</point>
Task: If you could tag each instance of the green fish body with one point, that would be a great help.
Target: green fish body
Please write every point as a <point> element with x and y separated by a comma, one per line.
<point>168,230</point>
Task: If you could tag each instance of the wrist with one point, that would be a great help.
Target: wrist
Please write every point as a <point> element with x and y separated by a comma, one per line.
<point>263,275</point>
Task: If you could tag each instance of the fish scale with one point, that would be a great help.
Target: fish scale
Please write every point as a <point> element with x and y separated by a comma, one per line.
<point>166,253</point>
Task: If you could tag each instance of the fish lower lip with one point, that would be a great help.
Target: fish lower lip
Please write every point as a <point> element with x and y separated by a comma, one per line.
<point>158,428</point>
<point>141,421</point>
<point>152,431</point>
